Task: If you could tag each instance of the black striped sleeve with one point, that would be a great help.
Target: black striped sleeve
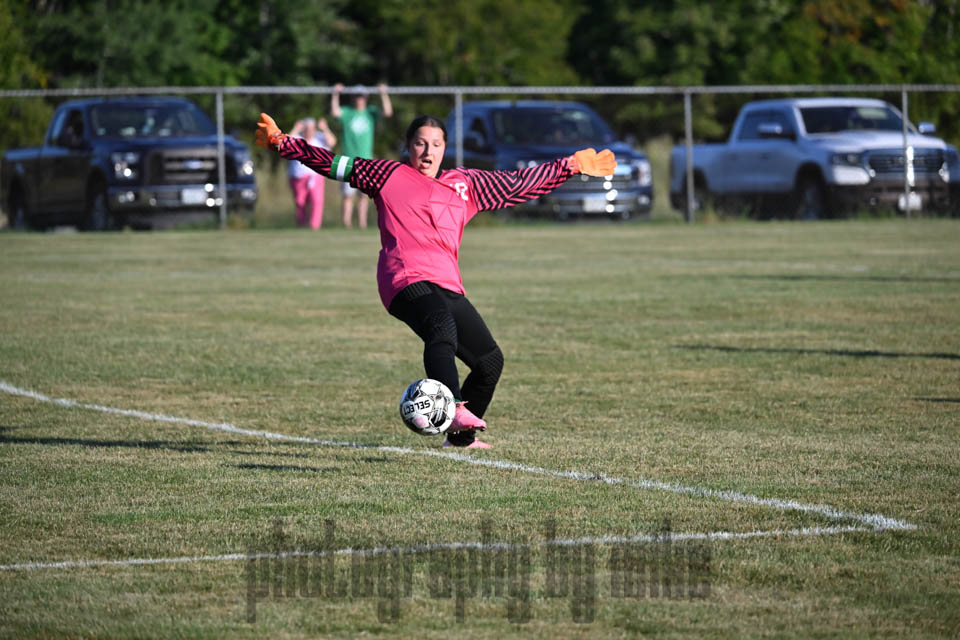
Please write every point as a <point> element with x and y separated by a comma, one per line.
<point>367,175</point>
<point>370,175</point>
<point>320,160</point>
<point>499,189</point>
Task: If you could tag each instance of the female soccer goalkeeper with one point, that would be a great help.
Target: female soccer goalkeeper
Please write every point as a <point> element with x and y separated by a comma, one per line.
<point>421,214</point>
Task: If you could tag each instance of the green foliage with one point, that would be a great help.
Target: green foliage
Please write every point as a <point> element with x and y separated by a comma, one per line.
<point>743,42</point>
<point>114,43</point>
<point>118,43</point>
<point>22,121</point>
<point>678,43</point>
<point>18,69</point>
<point>469,42</point>
<point>285,42</point>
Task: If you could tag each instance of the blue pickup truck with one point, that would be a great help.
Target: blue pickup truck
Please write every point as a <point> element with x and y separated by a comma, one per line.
<point>818,157</point>
<point>106,163</point>
<point>509,135</point>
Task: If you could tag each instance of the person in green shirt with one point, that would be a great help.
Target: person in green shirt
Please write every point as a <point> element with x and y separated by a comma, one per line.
<point>359,121</point>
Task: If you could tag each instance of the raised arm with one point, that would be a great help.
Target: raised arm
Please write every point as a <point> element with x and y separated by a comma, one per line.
<point>385,101</point>
<point>500,189</point>
<point>328,136</point>
<point>367,175</point>
<point>335,110</point>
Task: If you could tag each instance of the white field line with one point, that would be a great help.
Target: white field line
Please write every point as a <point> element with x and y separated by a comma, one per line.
<point>426,548</point>
<point>873,522</point>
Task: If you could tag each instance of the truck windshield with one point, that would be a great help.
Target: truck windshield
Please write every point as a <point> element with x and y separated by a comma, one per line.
<point>850,118</point>
<point>149,121</point>
<point>561,127</point>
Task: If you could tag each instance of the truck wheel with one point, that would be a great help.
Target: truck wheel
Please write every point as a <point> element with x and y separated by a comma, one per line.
<point>98,213</point>
<point>811,200</point>
<point>701,198</point>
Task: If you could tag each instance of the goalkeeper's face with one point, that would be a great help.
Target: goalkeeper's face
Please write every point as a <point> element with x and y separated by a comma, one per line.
<point>426,149</point>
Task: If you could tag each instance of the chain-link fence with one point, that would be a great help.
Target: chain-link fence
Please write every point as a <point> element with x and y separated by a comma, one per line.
<point>680,102</point>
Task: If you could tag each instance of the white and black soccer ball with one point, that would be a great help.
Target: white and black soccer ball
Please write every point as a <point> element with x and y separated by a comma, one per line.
<point>427,407</point>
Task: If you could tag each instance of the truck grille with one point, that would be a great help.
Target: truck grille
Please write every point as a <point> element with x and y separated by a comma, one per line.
<point>187,166</point>
<point>588,184</point>
<point>924,160</point>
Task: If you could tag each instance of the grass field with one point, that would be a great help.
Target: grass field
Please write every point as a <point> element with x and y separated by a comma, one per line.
<point>797,385</point>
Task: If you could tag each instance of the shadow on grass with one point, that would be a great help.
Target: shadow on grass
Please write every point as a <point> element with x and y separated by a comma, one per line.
<point>839,278</point>
<point>167,445</point>
<point>943,400</point>
<point>849,353</point>
<point>283,467</point>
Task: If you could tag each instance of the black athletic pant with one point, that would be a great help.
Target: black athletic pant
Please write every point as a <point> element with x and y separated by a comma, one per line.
<point>451,327</point>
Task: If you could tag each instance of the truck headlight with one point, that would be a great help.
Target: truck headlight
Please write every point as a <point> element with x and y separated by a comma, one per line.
<point>244,162</point>
<point>951,164</point>
<point>846,159</point>
<point>642,173</point>
<point>125,164</point>
<point>848,169</point>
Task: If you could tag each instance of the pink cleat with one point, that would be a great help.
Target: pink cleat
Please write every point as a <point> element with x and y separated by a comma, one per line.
<point>476,444</point>
<point>464,420</point>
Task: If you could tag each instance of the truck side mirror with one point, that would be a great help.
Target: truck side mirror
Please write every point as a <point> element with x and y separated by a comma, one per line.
<point>927,128</point>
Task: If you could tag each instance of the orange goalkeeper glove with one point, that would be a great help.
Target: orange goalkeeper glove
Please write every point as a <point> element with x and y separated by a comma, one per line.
<point>268,134</point>
<point>590,162</point>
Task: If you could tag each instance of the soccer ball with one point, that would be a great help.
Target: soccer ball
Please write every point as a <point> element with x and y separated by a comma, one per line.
<point>427,407</point>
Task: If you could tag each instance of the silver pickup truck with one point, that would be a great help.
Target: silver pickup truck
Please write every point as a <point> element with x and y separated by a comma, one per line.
<point>818,157</point>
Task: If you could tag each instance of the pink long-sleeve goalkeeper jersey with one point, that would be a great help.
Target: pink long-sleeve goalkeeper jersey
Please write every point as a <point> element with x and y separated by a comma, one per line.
<point>421,219</point>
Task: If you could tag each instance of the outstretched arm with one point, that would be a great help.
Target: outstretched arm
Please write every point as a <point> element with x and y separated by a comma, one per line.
<point>367,175</point>
<point>499,189</point>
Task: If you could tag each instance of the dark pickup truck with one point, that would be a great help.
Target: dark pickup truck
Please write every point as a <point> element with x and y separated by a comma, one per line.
<point>508,135</point>
<point>107,163</point>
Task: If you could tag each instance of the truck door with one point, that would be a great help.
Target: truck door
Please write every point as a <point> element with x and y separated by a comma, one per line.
<point>734,170</point>
<point>65,162</point>
<point>766,153</point>
<point>41,174</point>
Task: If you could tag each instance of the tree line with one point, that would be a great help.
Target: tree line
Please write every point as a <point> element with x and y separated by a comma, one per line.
<point>132,43</point>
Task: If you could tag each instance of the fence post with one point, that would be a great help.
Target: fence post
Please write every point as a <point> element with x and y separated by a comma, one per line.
<point>221,162</point>
<point>458,134</point>
<point>688,133</point>
<point>907,161</point>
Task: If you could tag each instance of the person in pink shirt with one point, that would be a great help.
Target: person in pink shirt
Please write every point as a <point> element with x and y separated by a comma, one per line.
<point>306,184</point>
<point>421,214</point>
